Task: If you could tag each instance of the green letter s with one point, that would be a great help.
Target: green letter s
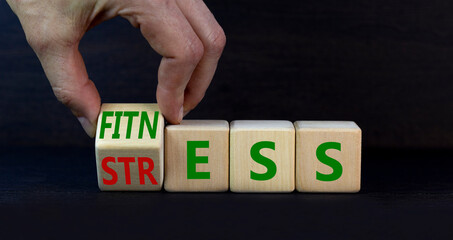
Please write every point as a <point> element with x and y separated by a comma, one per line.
<point>268,163</point>
<point>334,164</point>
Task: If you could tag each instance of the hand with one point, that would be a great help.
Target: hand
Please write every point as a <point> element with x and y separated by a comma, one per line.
<point>184,32</point>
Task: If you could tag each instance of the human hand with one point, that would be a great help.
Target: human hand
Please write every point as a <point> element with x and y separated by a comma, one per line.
<point>184,32</point>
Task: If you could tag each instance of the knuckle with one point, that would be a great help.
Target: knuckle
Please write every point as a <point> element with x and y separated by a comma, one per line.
<point>193,52</point>
<point>63,95</point>
<point>38,43</point>
<point>42,37</point>
<point>216,42</point>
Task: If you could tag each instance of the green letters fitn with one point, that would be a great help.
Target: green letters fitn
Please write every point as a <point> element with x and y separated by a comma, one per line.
<point>144,120</point>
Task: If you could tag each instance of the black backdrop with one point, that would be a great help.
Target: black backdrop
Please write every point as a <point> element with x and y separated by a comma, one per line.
<point>385,64</point>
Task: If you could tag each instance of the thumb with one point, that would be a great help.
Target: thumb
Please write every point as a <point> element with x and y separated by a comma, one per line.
<point>65,69</point>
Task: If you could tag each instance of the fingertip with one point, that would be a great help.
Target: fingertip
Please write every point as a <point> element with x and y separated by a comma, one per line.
<point>170,104</point>
<point>85,104</point>
<point>181,114</point>
<point>88,117</point>
<point>171,115</point>
<point>88,126</point>
<point>176,118</point>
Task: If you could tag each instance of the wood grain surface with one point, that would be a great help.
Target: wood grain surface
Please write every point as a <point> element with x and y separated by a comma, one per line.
<point>245,135</point>
<point>213,132</point>
<point>310,135</point>
<point>147,147</point>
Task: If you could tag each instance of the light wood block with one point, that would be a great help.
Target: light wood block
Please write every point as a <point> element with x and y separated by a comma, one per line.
<point>328,156</point>
<point>129,147</point>
<point>262,156</point>
<point>196,156</point>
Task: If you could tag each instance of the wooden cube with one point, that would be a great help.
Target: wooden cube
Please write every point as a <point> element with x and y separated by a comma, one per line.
<point>262,156</point>
<point>328,156</point>
<point>196,156</point>
<point>129,147</point>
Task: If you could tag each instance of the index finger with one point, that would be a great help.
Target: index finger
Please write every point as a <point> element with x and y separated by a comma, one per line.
<point>170,34</point>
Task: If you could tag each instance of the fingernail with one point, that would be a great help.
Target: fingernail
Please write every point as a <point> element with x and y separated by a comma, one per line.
<point>89,128</point>
<point>181,114</point>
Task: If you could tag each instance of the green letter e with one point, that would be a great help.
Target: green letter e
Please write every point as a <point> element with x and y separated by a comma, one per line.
<point>193,159</point>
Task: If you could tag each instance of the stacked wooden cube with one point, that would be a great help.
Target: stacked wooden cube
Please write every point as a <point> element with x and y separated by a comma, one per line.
<point>135,151</point>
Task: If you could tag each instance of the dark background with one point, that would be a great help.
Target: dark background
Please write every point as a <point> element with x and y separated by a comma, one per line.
<point>388,65</point>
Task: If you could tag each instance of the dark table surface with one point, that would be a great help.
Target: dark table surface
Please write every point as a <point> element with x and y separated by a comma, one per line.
<point>52,192</point>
